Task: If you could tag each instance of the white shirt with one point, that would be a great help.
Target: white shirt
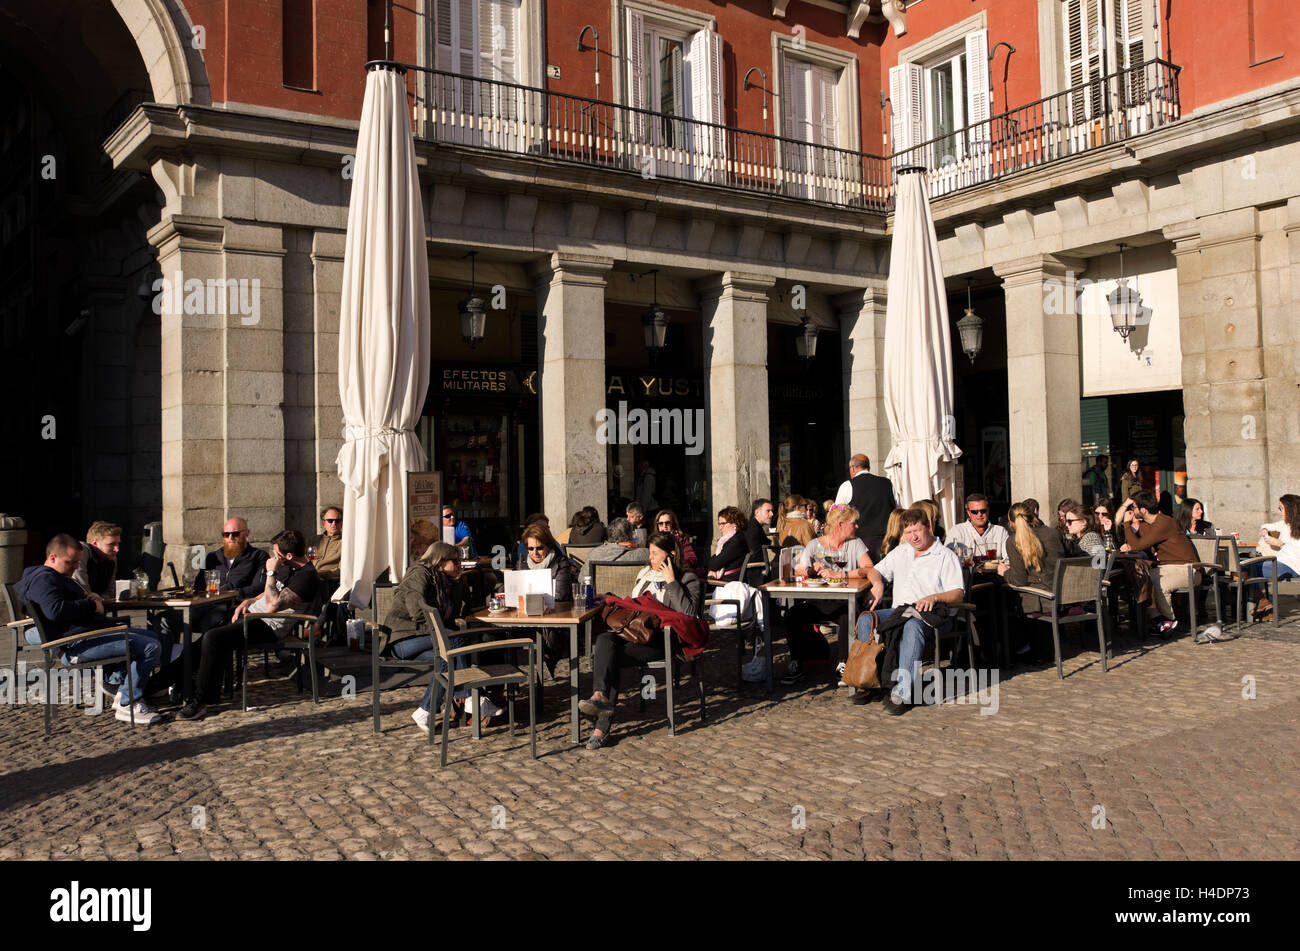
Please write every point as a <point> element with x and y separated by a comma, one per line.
<point>995,536</point>
<point>1289,553</point>
<point>852,552</point>
<point>917,575</point>
<point>845,495</point>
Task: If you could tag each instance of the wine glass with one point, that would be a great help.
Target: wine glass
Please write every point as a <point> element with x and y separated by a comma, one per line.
<point>311,552</point>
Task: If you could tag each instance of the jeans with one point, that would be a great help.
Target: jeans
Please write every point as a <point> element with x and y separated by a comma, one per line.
<point>145,651</point>
<point>1283,572</point>
<point>610,654</point>
<point>910,649</point>
<point>420,649</point>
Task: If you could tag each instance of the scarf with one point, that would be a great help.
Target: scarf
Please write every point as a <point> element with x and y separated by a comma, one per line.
<point>544,563</point>
<point>722,541</point>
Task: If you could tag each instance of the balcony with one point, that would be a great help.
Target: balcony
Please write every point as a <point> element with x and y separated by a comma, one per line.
<point>486,114</point>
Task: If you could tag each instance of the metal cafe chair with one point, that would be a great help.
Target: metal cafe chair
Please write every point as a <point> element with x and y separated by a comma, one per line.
<point>52,654</point>
<point>1236,575</point>
<point>302,644</point>
<point>477,677</point>
<point>1077,582</point>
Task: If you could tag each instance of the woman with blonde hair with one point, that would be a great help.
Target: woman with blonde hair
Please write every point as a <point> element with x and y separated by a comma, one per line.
<point>836,554</point>
<point>792,528</point>
<point>893,532</point>
<point>1031,557</point>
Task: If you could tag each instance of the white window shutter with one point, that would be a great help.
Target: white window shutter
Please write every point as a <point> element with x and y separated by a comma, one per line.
<point>794,104</point>
<point>977,79</point>
<point>636,92</point>
<point>716,104</point>
<point>466,41</point>
<point>705,62</point>
<point>827,113</point>
<point>444,30</point>
<point>499,19</point>
<point>907,101</point>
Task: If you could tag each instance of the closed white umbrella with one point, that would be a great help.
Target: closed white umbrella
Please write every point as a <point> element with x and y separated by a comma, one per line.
<point>918,358</point>
<point>383,337</point>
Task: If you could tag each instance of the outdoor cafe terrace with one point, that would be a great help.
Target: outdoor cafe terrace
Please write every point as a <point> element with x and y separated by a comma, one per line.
<point>452,109</point>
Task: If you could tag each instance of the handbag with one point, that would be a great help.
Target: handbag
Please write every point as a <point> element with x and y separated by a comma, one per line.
<point>639,627</point>
<point>863,668</point>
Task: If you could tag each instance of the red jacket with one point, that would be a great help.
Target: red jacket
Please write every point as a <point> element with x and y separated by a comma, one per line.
<point>692,633</point>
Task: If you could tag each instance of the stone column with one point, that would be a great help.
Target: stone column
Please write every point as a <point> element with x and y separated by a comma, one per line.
<point>571,351</point>
<point>1043,383</point>
<point>735,387</point>
<point>862,335</point>
<point>1226,424</point>
<point>327,278</point>
<point>13,539</point>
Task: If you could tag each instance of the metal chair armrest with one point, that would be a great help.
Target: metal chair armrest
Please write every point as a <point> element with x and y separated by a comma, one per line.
<point>1206,566</point>
<point>1028,590</point>
<point>20,623</point>
<point>1257,560</point>
<point>524,642</point>
<point>83,635</point>
<point>262,614</point>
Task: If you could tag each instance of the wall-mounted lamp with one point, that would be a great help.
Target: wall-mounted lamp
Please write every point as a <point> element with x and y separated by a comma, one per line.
<point>582,49</point>
<point>752,70</point>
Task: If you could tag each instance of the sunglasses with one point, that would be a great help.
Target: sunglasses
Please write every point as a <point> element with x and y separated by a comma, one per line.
<point>231,534</point>
<point>978,511</point>
<point>332,521</point>
<point>537,548</point>
<point>449,515</point>
<point>1071,521</point>
<point>665,524</point>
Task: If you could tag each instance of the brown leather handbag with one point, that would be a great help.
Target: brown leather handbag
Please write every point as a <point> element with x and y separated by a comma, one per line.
<point>639,627</point>
<point>862,671</point>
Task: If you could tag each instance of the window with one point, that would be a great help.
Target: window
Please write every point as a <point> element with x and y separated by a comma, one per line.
<point>479,40</point>
<point>675,73</point>
<point>1103,37</point>
<point>298,42</point>
<point>944,102</point>
<point>816,95</point>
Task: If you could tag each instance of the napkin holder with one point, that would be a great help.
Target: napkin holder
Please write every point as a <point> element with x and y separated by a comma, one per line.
<point>124,590</point>
<point>533,605</point>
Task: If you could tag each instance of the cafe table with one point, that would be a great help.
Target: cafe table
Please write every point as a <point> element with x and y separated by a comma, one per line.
<point>185,603</point>
<point>849,592</point>
<point>565,614</point>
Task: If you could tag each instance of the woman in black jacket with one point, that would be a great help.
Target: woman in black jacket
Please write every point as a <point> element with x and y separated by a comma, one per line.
<point>732,548</point>
<point>542,553</point>
<point>1032,554</point>
<point>671,584</point>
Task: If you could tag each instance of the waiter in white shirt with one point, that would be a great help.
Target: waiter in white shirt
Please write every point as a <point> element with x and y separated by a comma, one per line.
<point>924,575</point>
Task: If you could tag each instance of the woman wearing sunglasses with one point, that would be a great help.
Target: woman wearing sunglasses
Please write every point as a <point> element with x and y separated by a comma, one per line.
<point>541,552</point>
<point>666,521</point>
<point>1081,531</point>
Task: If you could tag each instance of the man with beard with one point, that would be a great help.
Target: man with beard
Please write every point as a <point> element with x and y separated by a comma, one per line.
<point>240,567</point>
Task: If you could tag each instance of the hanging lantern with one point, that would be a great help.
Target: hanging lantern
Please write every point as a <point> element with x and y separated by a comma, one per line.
<point>655,324</point>
<point>806,343</point>
<point>971,330</point>
<point>1125,303</point>
<point>473,312</point>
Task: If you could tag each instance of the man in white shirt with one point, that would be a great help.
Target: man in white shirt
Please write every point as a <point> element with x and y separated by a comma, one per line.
<point>924,574</point>
<point>978,533</point>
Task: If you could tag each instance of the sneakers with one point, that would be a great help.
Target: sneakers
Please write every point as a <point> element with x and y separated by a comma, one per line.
<point>421,718</point>
<point>145,715</point>
<point>1165,628</point>
<point>793,674</point>
<point>486,708</point>
<point>191,709</point>
<point>595,708</point>
<point>839,669</point>
<point>597,740</point>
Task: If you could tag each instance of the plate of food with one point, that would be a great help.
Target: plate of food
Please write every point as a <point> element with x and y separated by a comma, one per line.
<point>837,582</point>
<point>815,582</point>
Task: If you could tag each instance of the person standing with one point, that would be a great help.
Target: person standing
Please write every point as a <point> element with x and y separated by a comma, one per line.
<point>1131,482</point>
<point>1096,481</point>
<point>872,497</point>
<point>646,487</point>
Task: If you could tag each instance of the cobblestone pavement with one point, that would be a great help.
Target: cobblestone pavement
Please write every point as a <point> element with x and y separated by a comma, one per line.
<point>1190,750</point>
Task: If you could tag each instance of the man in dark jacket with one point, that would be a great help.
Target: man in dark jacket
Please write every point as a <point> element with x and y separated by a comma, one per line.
<point>69,611</point>
<point>757,539</point>
<point>873,497</point>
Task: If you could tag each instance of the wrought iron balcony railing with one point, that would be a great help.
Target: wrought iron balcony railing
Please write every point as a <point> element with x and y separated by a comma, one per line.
<point>481,113</point>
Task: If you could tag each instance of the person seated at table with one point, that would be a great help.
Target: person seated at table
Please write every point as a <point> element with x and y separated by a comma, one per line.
<point>1153,532</point>
<point>434,580</point>
<point>672,584</point>
<point>931,508</point>
<point>732,548</point>
<point>1286,546</point>
<point>291,585</point>
<point>1104,514</point>
<point>1191,518</point>
<point>1081,532</point>
<point>1060,515</point>
<point>978,533</point>
<point>666,521</point>
<point>756,538</point>
<point>464,539</point>
<point>98,569</point>
<point>618,547</point>
<point>1032,506</point>
<point>521,550</point>
<point>69,611</point>
<point>328,546</point>
<point>893,532</point>
<point>585,528</point>
<point>839,553</point>
<point>924,575</point>
<point>792,526</point>
<point>636,515</point>
<point>1032,554</point>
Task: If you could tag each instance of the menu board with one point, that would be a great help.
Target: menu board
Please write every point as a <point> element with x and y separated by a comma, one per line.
<point>423,512</point>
